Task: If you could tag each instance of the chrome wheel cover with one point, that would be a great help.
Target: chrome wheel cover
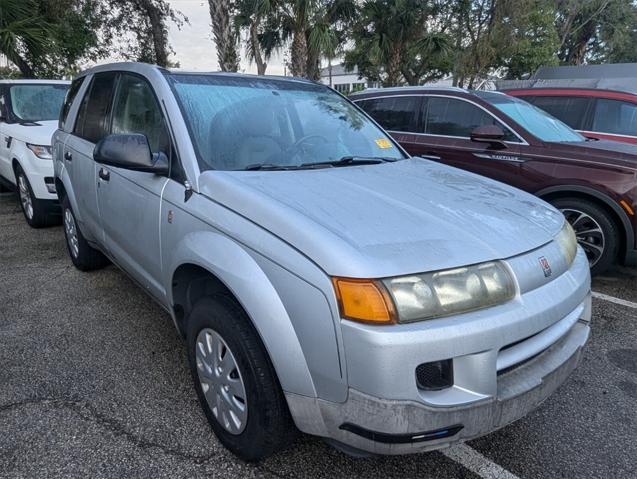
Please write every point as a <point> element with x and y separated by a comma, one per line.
<point>25,196</point>
<point>589,233</point>
<point>221,381</point>
<point>71,233</point>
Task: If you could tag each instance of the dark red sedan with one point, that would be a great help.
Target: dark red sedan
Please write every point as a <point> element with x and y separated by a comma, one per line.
<point>593,182</point>
<point>603,114</point>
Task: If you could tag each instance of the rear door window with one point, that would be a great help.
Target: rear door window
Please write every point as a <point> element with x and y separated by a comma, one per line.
<point>615,116</point>
<point>458,118</point>
<point>572,110</point>
<point>394,113</point>
<point>92,122</point>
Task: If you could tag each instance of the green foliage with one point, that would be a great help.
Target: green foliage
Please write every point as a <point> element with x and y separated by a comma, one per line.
<point>397,41</point>
<point>9,73</point>
<point>528,39</point>
<point>23,32</point>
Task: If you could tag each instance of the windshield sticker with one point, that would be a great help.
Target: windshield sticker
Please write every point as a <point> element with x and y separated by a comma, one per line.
<point>383,143</point>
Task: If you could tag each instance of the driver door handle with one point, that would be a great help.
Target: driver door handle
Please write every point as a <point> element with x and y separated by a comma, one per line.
<point>68,156</point>
<point>104,174</point>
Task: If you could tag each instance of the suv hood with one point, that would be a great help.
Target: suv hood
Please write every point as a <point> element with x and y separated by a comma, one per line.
<point>388,219</point>
<point>609,152</point>
<point>39,133</point>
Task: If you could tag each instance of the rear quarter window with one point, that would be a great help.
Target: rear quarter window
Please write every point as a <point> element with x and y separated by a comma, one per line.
<point>394,113</point>
<point>68,101</point>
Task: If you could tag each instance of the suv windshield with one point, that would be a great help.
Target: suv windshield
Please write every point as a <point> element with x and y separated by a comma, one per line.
<point>535,121</point>
<point>37,102</point>
<point>239,122</point>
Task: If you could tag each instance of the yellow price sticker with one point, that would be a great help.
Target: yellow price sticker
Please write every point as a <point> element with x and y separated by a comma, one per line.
<point>383,143</point>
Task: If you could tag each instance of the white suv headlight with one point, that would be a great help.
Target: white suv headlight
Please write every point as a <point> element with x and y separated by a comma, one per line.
<point>454,291</point>
<point>567,242</point>
<point>41,151</point>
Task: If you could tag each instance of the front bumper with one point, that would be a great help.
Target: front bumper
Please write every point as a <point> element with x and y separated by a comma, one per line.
<point>519,391</point>
<point>506,361</point>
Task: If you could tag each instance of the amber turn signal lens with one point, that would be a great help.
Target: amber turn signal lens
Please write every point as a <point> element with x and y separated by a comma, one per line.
<point>364,300</point>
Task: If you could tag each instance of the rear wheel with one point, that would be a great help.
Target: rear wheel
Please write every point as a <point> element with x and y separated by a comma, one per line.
<point>596,231</point>
<point>34,210</point>
<point>235,380</point>
<point>83,256</point>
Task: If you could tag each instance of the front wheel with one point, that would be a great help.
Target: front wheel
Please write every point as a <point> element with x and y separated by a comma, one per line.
<point>596,232</point>
<point>235,380</point>
<point>34,210</point>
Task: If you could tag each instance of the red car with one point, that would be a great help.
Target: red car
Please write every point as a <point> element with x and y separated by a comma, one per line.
<point>603,114</point>
<point>594,183</point>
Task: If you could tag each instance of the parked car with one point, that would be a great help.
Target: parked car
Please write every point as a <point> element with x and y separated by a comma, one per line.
<point>594,183</point>
<point>321,278</point>
<point>601,114</point>
<point>29,112</point>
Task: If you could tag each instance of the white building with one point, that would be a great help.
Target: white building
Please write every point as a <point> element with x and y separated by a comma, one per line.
<point>348,81</point>
<point>345,81</point>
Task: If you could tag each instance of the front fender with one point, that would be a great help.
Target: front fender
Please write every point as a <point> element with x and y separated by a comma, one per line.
<point>232,265</point>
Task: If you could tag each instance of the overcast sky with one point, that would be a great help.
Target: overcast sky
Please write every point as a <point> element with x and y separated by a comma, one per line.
<point>193,44</point>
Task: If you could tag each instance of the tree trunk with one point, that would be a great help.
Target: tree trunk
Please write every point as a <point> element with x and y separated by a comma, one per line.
<point>393,69</point>
<point>298,54</point>
<point>313,68</point>
<point>224,35</point>
<point>256,47</point>
<point>158,32</point>
<point>23,66</point>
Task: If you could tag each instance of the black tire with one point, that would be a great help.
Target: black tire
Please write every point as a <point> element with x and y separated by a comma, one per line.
<point>269,426</point>
<point>35,211</point>
<point>606,223</point>
<point>86,258</point>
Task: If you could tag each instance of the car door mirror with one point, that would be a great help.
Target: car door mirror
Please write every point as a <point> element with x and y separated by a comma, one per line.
<point>130,151</point>
<point>491,134</point>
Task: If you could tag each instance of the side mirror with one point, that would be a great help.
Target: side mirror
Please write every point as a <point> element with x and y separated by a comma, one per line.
<point>131,152</point>
<point>491,134</point>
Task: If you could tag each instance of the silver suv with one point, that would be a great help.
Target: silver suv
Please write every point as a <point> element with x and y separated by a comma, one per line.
<point>323,281</point>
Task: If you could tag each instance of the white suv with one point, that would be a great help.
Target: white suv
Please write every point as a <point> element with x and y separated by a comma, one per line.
<point>29,112</point>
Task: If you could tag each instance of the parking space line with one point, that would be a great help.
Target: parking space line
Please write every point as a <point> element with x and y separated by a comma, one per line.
<point>476,462</point>
<point>613,299</point>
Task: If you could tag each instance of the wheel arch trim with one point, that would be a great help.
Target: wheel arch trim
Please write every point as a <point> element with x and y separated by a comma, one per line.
<point>228,262</point>
<point>605,199</point>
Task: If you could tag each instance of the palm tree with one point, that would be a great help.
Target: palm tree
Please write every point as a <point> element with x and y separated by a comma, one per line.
<point>252,15</point>
<point>327,32</point>
<point>314,28</point>
<point>225,34</point>
<point>392,43</point>
<point>22,32</point>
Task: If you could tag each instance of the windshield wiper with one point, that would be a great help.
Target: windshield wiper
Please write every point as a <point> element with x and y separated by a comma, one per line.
<point>268,166</point>
<point>350,160</point>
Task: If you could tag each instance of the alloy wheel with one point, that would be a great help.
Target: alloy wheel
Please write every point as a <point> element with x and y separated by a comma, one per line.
<point>25,196</point>
<point>221,381</point>
<point>71,233</point>
<point>589,234</point>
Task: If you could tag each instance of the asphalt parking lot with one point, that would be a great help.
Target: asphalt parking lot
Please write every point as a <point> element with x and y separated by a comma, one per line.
<point>94,383</point>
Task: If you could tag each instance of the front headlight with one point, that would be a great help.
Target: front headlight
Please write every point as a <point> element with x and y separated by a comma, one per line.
<point>454,291</point>
<point>41,151</point>
<point>567,242</point>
